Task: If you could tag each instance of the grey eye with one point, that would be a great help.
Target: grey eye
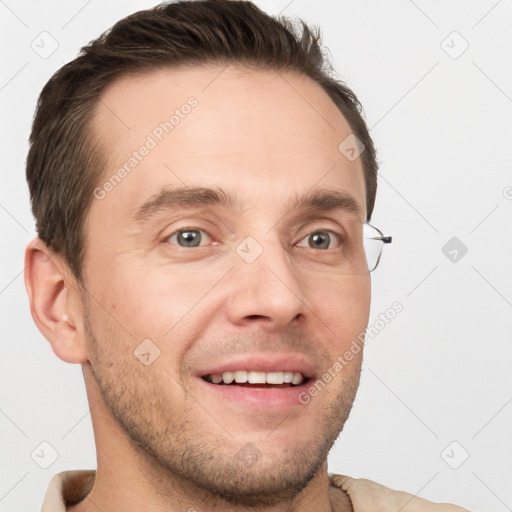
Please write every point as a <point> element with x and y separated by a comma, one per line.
<point>319,239</point>
<point>187,237</point>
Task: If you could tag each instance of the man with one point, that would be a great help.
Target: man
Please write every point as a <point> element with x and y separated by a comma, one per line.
<point>202,190</point>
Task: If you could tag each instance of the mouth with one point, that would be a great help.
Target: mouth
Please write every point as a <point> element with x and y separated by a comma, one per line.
<point>259,384</point>
<point>257,379</point>
<point>261,381</point>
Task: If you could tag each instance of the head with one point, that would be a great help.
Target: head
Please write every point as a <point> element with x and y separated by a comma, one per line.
<point>165,166</point>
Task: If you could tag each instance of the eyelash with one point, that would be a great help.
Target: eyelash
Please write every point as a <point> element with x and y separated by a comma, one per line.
<point>185,229</point>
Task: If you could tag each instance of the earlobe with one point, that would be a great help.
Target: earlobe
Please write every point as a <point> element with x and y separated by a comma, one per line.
<point>55,303</point>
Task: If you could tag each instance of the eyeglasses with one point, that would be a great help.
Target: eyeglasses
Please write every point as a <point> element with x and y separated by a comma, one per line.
<point>359,251</point>
<point>373,240</point>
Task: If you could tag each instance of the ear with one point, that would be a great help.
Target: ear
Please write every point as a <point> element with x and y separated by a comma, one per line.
<point>55,301</point>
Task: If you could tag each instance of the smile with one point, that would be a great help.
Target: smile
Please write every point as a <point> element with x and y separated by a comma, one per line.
<point>256,378</point>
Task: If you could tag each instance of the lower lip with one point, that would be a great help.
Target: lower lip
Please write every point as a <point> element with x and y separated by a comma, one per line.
<point>265,398</point>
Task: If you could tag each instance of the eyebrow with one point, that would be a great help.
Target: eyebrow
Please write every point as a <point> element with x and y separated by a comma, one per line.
<point>189,197</point>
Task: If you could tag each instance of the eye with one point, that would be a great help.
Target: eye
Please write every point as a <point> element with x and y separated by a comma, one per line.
<point>321,239</point>
<point>188,237</point>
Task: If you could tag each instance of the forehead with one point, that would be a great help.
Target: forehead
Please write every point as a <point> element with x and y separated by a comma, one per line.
<point>263,133</point>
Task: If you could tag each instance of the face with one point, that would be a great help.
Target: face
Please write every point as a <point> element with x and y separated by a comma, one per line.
<point>192,286</point>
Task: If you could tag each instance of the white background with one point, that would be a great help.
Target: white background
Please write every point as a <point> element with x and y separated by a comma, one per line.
<point>440,371</point>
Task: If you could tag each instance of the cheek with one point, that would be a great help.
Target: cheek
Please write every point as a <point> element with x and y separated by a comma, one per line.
<point>150,301</point>
<point>344,307</point>
<point>160,310</point>
<point>345,310</point>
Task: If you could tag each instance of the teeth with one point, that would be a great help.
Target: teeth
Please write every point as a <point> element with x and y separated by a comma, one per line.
<point>275,378</point>
<point>297,379</point>
<point>216,378</point>
<point>288,376</point>
<point>227,377</point>
<point>257,377</point>
<point>242,376</point>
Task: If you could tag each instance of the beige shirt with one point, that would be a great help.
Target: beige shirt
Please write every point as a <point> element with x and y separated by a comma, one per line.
<point>70,487</point>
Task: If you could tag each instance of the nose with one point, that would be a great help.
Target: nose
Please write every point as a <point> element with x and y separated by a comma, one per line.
<point>267,289</point>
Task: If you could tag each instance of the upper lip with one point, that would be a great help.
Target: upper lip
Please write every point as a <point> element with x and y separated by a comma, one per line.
<point>285,362</point>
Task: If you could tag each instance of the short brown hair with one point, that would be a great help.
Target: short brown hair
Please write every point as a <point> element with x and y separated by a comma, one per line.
<point>64,164</point>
